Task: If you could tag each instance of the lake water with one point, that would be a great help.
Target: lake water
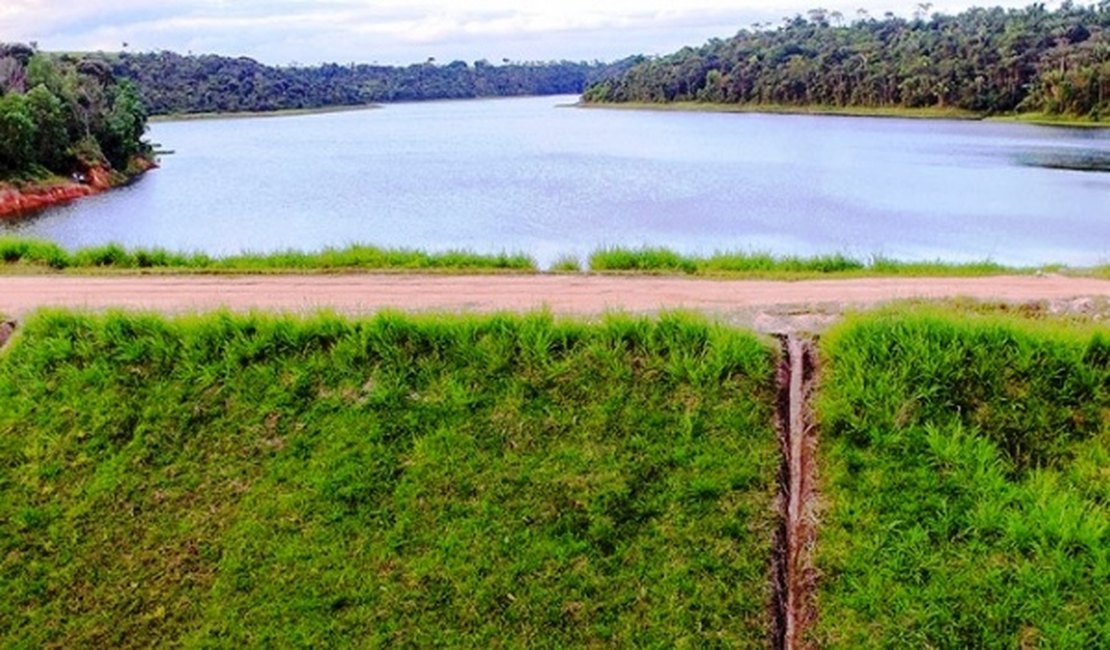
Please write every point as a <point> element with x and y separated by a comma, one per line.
<point>528,175</point>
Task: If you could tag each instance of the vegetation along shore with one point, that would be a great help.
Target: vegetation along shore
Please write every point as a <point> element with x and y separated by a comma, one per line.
<point>68,128</point>
<point>984,61</point>
<point>21,255</point>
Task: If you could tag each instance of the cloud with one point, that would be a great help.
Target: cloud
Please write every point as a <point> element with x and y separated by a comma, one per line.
<point>395,31</point>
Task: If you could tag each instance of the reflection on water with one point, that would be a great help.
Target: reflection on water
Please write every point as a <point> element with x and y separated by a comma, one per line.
<point>524,175</point>
<point>1083,160</point>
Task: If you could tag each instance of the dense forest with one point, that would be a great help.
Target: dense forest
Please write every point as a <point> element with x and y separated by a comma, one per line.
<point>173,83</point>
<point>984,60</point>
<point>64,114</point>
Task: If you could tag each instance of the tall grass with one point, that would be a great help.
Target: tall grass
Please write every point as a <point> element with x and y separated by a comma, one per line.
<point>566,264</point>
<point>33,252</point>
<point>232,481</point>
<point>966,481</point>
<point>19,252</point>
<point>756,264</point>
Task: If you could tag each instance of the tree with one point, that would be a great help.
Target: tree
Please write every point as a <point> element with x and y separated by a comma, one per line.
<point>50,146</point>
<point>982,60</point>
<point>124,126</point>
<point>41,71</point>
<point>17,133</point>
<point>74,113</point>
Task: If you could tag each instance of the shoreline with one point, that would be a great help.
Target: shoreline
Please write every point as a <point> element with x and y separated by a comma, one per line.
<point>18,199</point>
<point>1036,119</point>
<point>251,114</point>
<point>347,108</point>
<point>783,109</point>
<point>242,115</point>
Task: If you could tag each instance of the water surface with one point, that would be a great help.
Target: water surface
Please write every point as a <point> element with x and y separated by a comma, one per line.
<point>528,175</point>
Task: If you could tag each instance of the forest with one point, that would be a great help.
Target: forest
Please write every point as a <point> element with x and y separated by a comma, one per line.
<point>62,114</point>
<point>172,83</point>
<point>986,60</point>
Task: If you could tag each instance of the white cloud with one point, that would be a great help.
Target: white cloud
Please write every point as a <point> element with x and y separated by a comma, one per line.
<point>395,31</point>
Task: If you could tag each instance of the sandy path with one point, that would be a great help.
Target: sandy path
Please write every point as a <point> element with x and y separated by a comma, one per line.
<point>563,294</point>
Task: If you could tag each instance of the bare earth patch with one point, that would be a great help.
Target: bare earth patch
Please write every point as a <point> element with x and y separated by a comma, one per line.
<point>767,305</point>
<point>7,328</point>
<point>794,576</point>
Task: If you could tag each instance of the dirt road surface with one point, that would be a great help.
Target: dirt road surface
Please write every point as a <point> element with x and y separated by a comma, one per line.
<point>734,300</point>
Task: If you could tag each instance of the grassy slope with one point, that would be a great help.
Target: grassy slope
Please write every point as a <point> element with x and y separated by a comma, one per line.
<point>966,478</point>
<point>496,482</point>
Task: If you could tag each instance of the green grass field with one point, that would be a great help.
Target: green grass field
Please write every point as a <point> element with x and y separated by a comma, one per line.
<point>508,481</point>
<point>965,469</point>
<point>254,481</point>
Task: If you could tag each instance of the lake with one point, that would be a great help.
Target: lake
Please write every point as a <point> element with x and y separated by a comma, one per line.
<point>535,176</point>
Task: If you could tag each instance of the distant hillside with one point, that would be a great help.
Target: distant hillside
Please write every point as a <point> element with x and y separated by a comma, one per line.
<point>174,83</point>
<point>983,60</point>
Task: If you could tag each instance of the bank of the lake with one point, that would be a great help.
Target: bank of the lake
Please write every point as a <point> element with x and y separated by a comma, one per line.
<point>930,112</point>
<point>287,112</point>
<point>29,195</point>
<point>1044,119</point>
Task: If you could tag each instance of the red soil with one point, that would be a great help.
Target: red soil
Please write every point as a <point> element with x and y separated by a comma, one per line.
<point>18,200</point>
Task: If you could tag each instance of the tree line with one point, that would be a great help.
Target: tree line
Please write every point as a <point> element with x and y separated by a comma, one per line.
<point>988,61</point>
<point>62,114</point>
<point>172,83</point>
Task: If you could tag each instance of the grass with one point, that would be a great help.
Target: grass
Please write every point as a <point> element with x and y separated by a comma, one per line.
<point>765,265</point>
<point>231,481</point>
<point>1047,119</point>
<point>566,264</point>
<point>18,254</point>
<point>21,255</point>
<point>966,483</point>
<point>36,177</point>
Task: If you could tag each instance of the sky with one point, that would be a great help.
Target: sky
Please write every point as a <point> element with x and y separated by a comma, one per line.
<point>308,32</point>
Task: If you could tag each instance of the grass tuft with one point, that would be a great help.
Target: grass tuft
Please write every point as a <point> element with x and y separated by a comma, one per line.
<point>32,252</point>
<point>566,264</point>
<point>642,259</point>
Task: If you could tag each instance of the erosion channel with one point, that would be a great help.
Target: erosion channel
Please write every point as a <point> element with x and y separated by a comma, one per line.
<point>793,572</point>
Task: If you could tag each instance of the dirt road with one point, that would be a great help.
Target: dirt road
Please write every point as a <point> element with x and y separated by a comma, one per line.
<point>562,294</point>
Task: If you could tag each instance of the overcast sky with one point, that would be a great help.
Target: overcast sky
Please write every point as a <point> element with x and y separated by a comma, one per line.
<point>399,32</point>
